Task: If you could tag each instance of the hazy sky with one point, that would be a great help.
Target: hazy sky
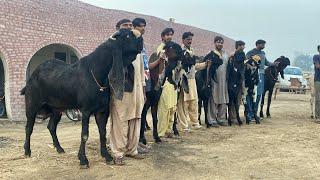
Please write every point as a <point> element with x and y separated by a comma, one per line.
<point>287,25</point>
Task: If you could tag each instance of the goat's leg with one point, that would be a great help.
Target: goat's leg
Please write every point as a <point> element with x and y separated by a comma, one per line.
<point>102,120</point>
<point>199,110</point>
<point>205,106</point>
<point>142,137</point>
<point>238,114</point>
<point>154,112</point>
<point>257,119</point>
<point>229,114</point>
<point>31,117</point>
<point>261,104</point>
<point>52,127</point>
<point>174,127</point>
<point>147,126</point>
<point>84,163</point>
<point>269,104</point>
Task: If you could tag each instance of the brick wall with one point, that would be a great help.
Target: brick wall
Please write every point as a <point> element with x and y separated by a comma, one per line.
<point>28,25</point>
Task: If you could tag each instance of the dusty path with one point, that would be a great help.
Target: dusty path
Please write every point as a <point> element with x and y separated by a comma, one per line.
<point>284,147</point>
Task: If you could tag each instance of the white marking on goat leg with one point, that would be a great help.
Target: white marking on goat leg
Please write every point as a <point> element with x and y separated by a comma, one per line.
<point>85,138</point>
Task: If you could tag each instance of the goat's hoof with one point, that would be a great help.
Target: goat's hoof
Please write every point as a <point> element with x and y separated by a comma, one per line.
<point>104,152</point>
<point>176,133</point>
<point>240,123</point>
<point>143,141</point>
<point>157,140</point>
<point>60,150</point>
<point>312,117</point>
<point>85,166</point>
<point>27,153</point>
<point>268,116</point>
<point>109,159</point>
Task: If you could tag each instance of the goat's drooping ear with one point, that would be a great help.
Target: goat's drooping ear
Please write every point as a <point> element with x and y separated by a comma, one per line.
<point>136,33</point>
<point>185,83</point>
<point>116,75</point>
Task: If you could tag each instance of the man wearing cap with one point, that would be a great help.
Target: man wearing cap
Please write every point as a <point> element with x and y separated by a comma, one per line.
<point>126,114</point>
<point>124,24</point>
<point>260,45</point>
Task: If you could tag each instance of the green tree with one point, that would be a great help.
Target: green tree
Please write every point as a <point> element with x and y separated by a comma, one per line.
<point>304,61</point>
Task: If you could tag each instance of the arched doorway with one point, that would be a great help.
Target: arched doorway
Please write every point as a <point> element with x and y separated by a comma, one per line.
<point>3,113</point>
<point>59,51</point>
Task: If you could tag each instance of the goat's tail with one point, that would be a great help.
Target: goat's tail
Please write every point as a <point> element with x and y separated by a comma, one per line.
<point>23,91</point>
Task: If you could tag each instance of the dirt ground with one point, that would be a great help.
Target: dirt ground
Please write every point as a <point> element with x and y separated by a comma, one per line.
<point>284,147</point>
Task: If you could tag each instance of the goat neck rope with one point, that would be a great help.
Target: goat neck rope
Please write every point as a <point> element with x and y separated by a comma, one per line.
<point>101,88</point>
<point>273,78</point>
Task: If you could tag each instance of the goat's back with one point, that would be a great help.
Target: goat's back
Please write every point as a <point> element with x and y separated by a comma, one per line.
<point>53,82</point>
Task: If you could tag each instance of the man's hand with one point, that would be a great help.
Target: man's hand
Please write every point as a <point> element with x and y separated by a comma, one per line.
<point>162,55</point>
<point>209,62</point>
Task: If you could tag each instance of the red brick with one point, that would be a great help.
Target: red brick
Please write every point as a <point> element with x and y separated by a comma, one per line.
<point>28,25</point>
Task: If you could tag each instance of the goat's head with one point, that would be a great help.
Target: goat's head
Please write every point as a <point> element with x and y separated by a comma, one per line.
<point>238,60</point>
<point>174,71</point>
<point>126,44</point>
<point>188,59</point>
<point>174,54</point>
<point>215,58</point>
<point>281,63</point>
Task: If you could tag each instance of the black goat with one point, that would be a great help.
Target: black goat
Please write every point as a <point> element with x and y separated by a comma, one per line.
<point>235,76</point>
<point>270,79</point>
<point>203,80</point>
<point>174,54</point>
<point>55,86</point>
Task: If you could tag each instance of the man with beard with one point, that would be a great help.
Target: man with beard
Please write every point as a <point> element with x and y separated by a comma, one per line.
<point>217,104</point>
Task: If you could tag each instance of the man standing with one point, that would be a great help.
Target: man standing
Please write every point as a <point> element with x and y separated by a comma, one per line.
<point>140,24</point>
<point>124,24</point>
<point>260,45</point>
<point>168,99</point>
<point>125,116</point>
<point>187,108</point>
<point>237,58</point>
<point>217,105</point>
<point>316,62</point>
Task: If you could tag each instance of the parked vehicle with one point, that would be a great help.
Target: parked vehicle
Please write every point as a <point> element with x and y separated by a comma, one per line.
<point>289,73</point>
